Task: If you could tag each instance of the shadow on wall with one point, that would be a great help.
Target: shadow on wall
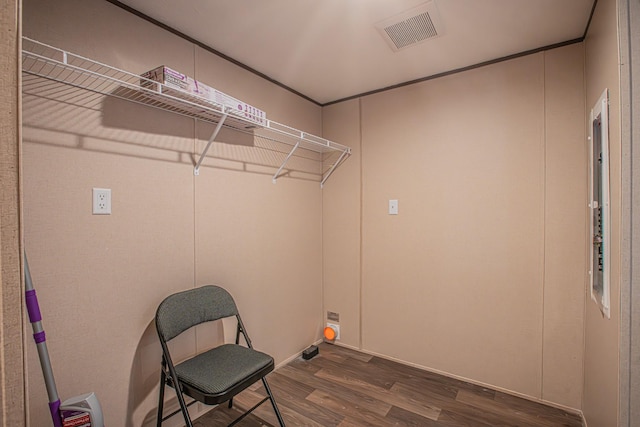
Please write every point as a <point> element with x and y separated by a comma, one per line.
<point>145,377</point>
<point>56,114</point>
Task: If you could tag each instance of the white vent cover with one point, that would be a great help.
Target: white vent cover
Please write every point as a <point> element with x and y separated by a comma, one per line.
<point>411,27</point>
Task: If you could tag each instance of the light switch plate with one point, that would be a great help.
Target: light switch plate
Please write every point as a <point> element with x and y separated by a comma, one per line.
<point>393,207</point>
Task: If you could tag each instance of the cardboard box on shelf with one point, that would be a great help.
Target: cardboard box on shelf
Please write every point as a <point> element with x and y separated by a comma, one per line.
<point>172,79</point>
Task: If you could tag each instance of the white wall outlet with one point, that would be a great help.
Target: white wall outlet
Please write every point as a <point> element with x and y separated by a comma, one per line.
<point>393,207</point>
<point>102,201</point>
<point>336,328</point>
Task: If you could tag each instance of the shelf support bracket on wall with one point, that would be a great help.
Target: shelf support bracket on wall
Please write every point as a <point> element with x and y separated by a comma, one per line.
<point>196,170</point>
<point>275,177</point>
<point>335,165</point>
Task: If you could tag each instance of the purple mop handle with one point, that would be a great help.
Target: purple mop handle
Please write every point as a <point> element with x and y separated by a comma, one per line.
<point>35,318</point>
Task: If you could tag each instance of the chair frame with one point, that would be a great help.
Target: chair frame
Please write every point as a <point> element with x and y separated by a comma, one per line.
<point>169,377</point>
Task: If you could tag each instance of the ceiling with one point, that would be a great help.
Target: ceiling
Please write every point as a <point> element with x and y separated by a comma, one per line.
<point>329,50</point>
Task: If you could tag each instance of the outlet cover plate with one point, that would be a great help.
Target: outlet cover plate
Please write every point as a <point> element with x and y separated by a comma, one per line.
<point>102,201</point>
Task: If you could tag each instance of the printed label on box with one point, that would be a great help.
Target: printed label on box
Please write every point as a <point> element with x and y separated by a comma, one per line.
<point>76,419</point>
<point>170,78</point>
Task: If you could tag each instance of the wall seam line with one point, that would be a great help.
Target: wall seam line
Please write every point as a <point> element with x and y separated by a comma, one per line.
<point>323,307</point>
<point>194,204</point>
<point>626,285</point>
<point>21,227</point>
<point>360,285</point>
<point>544,215</point>
<point>587,227</point>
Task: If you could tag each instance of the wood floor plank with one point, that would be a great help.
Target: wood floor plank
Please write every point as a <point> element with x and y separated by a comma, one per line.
<point>375,406</point>
<point>344,388</point>
<point>382,394</point>
<point>508,413</point>
<point>456,410</point>
<point>345,352</point>
<point>428,386</point>
<point>303,365</point>
<point>332,355</point>
<point>354,412</point>
<point>409,375</point>
<point>284,388</point>
<point>545,413</point>
<point>222,416</point>
<point>336,388</point>
<point>433,399</point>
<point>466,417</point>
<point>404,418</point>
<point>287,388</point>
<point>246,400</point>
<point>359,370</point>
<point>348,422</point>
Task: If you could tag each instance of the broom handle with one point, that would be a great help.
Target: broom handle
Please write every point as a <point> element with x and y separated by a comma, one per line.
<point>39,337</point>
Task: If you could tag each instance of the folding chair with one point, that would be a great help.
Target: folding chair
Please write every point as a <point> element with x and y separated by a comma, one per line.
<point>214,376</point>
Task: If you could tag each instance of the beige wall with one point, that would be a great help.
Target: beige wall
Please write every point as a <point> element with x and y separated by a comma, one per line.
<point>341,216</point>
<point>100,278</point>
<point>565,268</point>
<point>480,276</point>
<point>482,273</point>
<point>600,404</point>
<point>11,293</point>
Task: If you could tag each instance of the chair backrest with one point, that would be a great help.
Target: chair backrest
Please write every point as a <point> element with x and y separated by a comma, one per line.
<point>181,311</point>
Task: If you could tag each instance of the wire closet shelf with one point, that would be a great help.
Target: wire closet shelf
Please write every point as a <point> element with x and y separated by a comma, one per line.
<point>56,65</point>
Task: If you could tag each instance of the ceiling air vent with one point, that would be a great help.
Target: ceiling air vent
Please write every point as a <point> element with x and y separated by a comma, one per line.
<point>411,27</point>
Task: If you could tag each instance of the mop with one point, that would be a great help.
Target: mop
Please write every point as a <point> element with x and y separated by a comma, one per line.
<point>79,411</point>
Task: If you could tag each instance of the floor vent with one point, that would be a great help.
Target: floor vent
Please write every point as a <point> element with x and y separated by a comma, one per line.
<point>411,27</point>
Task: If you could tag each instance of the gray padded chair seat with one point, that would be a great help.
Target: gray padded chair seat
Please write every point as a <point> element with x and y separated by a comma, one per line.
<point>222,369</point>
<point>216,375</point>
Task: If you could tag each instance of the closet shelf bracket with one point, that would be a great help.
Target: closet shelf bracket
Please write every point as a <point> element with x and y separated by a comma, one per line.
<point>277,174</point>
<point>326,176</point>
<point>196,170</point>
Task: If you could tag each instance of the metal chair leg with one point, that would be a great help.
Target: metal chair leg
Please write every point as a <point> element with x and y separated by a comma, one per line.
<point>273,402</point>
<point>183,406</point>
<point>161,399</point>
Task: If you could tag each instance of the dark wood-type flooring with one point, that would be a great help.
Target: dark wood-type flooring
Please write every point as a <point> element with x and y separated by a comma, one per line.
<point>342,387</point>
